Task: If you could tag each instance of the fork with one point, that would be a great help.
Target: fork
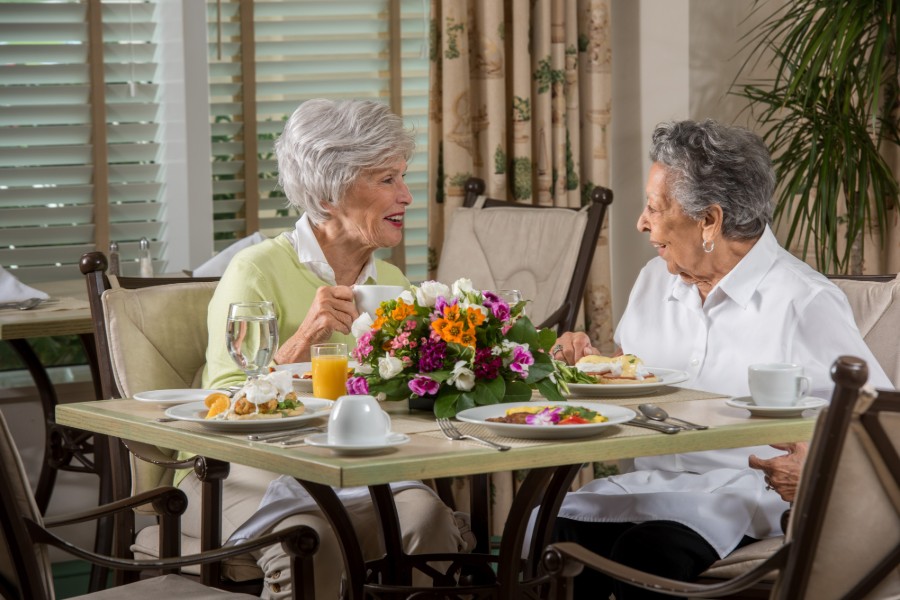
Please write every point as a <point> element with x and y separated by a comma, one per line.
<point>452,433</point>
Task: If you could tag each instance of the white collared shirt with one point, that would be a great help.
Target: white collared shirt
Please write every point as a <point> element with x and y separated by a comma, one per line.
<point>310,254</point>
<point>771,307</point>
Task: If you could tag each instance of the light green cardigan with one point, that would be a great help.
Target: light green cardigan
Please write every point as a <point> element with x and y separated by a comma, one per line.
<point>271,271</point>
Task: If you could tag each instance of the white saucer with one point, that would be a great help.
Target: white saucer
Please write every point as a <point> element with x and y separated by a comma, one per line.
<point>320,440</point>
<point>807,403</point>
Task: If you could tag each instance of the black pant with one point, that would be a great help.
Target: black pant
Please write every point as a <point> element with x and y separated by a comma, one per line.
<point>664,548</point>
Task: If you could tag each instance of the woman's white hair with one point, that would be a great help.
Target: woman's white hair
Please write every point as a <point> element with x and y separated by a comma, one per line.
<point>327,143</point>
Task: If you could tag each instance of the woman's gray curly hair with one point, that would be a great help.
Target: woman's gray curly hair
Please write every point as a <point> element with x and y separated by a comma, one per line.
<point>327,143</point>
<point>708,163</point>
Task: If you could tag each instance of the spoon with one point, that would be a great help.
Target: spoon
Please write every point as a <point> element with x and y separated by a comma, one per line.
<point>657,413</point>
<point>24,304</point>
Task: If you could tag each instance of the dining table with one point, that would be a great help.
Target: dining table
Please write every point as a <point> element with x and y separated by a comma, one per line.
<point>551,464</point>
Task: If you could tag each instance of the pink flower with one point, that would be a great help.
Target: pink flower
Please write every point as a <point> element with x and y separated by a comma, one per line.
<point>363,346</point>
<point>521,358</point>
<point>424,386</point>
<point>357,386</point>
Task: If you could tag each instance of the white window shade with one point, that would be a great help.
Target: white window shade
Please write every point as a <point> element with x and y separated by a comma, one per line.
<point>302,50</point>
<point>56,200</point>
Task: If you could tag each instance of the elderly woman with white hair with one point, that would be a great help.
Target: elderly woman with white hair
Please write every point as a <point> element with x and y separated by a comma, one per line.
<point>721,295</point>
<point>341,163</point>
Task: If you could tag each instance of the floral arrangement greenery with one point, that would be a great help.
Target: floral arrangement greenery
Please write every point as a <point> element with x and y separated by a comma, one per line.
<point>456,345</point>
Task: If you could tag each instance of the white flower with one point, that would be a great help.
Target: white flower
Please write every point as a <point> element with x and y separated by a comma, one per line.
<point>462,286</point>
<point>381,396</point>
<point>362,324</point>
<point>464,304</point>
<point>389,366</point>
<point>406,297</point>
<point>462,377</point>
<point>429,292</point>
<point>363,369</point>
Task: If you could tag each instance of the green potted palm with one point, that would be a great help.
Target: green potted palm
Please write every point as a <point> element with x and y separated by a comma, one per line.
<point>828,115</point>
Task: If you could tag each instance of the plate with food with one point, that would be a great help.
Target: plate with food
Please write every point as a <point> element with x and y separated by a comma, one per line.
<point>176,396</point>
<point>301,373</point>
<point>281,418</point>
<point>544,420</point>
<point>624,375</point>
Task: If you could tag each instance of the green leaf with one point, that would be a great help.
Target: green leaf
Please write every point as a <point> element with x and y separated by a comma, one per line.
<point>546,339</point>
<point>489,391</point>
<point>550,391</point>
<point>517,391</point>
<point>446,405</point>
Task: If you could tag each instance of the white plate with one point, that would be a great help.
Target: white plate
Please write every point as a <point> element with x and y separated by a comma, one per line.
<point>298,369</point>
<point>196,411</point>
<point>599,390</point>
<point>477,415</point>
<point>174,396</point>
<point>807,403</point>
<point>320,440</point>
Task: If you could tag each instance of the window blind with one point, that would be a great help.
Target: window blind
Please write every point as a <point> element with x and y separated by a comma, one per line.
<point>78,165</point>
<point>305,49</point>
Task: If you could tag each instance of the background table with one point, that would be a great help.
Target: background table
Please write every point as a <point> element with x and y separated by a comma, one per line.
<point>430,455</point>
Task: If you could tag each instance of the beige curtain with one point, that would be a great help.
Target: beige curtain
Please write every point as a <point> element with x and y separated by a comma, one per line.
<point>520,97</point>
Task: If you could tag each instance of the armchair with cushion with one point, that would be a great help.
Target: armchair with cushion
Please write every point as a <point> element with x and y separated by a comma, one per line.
<point>151,333</point>
<point>544,252</point>
<point>841,543</point>
<point>24,537</point>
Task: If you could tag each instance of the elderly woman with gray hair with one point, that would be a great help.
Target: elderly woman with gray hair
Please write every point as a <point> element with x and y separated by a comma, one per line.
<point>721,295</point>
<point>342,164</point>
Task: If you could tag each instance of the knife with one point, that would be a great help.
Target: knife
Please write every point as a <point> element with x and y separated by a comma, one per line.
<point>278,435</point>
<point>661,427</point>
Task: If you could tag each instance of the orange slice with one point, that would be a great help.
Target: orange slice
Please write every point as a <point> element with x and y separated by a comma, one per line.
<point>217,403</point>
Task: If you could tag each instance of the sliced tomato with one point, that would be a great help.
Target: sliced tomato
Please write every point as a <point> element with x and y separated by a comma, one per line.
<point>573,420</point>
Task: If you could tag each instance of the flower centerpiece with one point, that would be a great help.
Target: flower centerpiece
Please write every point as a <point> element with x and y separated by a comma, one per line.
<point>456,346</point>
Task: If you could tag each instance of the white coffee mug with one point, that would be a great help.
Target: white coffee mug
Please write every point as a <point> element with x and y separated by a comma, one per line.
<point>369,297</point>
<point>777,384</point>
<point>358,420</point>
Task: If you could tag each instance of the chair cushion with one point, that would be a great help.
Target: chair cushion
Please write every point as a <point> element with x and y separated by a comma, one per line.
<point>533,250</point>
<point>157,335</point>
<point>238,568</point>
<point>157,340</point>
<point>876,309</point>
<point>744,559</point>
<point>165,586</point>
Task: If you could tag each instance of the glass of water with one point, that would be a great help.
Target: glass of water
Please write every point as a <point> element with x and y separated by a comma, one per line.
<point>511,297</point>
<point>252,336</point>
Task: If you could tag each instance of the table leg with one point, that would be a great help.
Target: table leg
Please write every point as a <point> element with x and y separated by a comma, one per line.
<point>544,487</point>
<point>355,565</point>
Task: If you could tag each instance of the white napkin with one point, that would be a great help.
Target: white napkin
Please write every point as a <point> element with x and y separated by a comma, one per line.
<point>13,290</point>
<point>215,266</point>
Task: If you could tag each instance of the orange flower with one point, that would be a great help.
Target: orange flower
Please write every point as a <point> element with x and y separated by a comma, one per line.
<point>475,317</point>
<point>467,337</point>
<point>379,322</point>
<point>401,311</point>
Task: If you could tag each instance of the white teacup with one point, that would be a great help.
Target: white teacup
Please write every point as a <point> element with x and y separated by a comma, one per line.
<point>369,297</point>
<point>358,420</point>
<point>777,384</point>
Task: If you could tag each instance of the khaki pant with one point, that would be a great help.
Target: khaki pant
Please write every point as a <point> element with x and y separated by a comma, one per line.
<point>427,525</point>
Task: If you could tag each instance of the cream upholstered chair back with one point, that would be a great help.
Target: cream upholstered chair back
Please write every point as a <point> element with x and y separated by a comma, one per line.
<point>157,335</point>
<point>157,339</point>
<point>532,250</point>
<point>876,308</point>
<point>544,252</point>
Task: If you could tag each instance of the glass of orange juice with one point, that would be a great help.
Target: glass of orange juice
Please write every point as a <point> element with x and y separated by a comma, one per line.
<point>329,370</point>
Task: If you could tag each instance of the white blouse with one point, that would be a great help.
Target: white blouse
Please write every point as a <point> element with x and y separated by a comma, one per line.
<point>771,307</point>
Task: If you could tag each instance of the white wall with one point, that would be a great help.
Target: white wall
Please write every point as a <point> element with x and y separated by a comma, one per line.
<point>672,59</point>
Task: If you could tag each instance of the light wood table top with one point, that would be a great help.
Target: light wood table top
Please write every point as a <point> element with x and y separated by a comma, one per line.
<point>430,455</point>
<point>71,315</point>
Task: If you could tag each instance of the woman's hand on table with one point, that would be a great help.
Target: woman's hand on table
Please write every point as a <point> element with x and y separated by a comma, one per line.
<point>332,310</point>
<point>572,345</point>
<point>783,472</point>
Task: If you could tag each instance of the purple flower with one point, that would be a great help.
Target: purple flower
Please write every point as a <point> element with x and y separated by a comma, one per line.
<point>440,303</point>
<point>431,355</point>
<point>487,366</point>
<point>521,358</point>
<point>498,307</point>
<point>548,416</point>
<point>357,386</point>
<point>424,386</point>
